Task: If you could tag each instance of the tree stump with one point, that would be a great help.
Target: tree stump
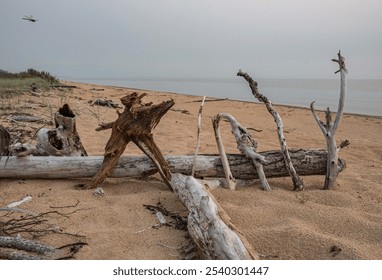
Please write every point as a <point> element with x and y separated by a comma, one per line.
<point>133,124</point>
<point>63,140</point>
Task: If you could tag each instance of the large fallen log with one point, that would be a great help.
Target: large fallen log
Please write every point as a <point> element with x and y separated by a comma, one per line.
<point>307,162</point>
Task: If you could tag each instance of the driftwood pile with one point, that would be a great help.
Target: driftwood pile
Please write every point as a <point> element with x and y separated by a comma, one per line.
<point>209,226</point>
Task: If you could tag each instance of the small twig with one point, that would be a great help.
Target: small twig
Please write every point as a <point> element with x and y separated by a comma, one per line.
<point>211,100</point>
<point>68,206</point>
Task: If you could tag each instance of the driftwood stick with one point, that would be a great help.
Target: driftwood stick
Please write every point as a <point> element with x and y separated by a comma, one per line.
<point>245,144</point>
<point>297,182</point>
<point>307,162</point>
<point>329,129</point>
<point>198,136</point>
<point>215,236</point>
<point>230,179</point>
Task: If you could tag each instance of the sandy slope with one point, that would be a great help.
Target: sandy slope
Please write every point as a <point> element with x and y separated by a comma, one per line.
<point>281,224</point>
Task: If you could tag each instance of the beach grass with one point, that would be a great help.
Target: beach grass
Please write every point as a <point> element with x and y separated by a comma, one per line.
<point>30,80</point>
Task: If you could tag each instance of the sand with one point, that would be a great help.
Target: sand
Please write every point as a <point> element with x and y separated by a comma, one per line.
<point>281,224</point>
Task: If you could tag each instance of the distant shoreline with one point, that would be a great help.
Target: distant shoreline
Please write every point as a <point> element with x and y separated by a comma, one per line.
<point>211,97</point>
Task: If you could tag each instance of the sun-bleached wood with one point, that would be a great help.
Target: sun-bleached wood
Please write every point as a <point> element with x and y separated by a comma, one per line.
<point>245,144</point>
<point>329,129</point>
<point>209,226</point>
<point>297,181</point>
<point>63,140</point>
<point>198,135</point>
<point>306,162</point>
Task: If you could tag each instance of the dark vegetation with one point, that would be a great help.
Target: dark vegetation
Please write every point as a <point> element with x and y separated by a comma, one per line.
<point>30,73</point>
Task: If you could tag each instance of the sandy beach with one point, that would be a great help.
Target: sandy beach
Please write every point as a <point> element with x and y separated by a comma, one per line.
<point>344,223</point>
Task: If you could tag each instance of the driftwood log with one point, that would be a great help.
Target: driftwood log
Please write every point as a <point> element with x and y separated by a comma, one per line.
<point>297,181</point>
<point>306,162</point>
<point>133,124</point>
<point>329,129</point>
<point>211,229</point>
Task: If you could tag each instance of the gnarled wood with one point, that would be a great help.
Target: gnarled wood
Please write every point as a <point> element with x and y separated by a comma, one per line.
<point>246,146</point>
<point>134,124</point>
<point>63,140</point>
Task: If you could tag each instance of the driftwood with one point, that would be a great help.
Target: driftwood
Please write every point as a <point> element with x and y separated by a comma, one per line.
<point>329,129</point>
<point>20,246</point>
<point>209,226</point>
<point>105,103</point>
<point>306,162</point>
<point>198,136</point>
<point>297,181</point>
<point>133,124</point>
<point>5,139</point>
<point>246,146</point>
<point>63,140</point>
<point>23,118</point>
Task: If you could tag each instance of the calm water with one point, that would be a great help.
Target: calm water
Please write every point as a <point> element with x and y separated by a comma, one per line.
<point>363,96</point>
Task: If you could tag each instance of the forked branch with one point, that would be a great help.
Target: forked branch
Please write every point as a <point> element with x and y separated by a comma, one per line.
<point>334,165</point>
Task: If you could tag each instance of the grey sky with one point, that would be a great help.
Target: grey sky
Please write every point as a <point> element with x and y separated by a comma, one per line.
<point>192,38</point>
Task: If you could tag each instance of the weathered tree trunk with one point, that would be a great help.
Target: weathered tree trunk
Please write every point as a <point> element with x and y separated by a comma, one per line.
<point>297,182</point>
<point>63,140</point>
<point>246,146</point>
<point>133,124</point>
<point>209,226</point>
<point>306,162</point>
<point>334,165</point>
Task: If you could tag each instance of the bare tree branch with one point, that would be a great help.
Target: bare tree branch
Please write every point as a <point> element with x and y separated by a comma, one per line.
<point>297,181</point>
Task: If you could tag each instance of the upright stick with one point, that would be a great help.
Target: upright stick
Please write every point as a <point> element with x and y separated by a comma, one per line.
<point>334,165</point>
<point>297,182</point>
<point>198,136</point>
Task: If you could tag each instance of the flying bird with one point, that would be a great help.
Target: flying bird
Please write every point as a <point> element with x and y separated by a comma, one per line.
<point>30,18</point>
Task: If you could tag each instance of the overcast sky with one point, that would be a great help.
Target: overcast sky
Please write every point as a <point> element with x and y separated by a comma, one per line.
<point>192,38</point>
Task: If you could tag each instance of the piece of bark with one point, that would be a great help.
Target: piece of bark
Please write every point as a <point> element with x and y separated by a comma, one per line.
<point>306,162</point>
<point>329,129</point>
<point>297,181</point>
<point>209,226</point>
<point>133,124</point>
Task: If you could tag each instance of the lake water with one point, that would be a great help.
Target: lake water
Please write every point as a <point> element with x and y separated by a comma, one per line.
<point>363,96</point>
